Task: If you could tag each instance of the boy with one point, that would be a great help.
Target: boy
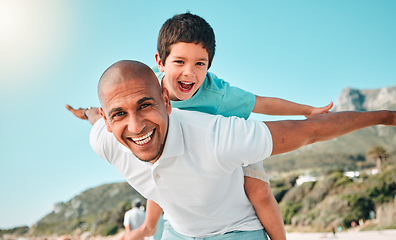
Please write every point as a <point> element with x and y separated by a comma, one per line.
<point>186,47</point>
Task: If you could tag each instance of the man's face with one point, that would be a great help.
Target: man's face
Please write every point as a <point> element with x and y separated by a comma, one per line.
<point>137,115</point>
<point>185,69</point>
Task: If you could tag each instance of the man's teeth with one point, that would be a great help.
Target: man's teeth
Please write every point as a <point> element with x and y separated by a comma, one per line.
<point>143,139</point>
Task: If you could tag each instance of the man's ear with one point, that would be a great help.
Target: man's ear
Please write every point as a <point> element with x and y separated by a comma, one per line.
<point>105,119</point>
<point>159,62</point>
<point>165,96</point>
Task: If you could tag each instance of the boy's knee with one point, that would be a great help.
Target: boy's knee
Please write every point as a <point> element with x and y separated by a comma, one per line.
<point>257,191</point>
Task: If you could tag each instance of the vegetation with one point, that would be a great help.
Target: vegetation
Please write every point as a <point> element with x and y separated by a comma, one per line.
<point>333,200</point>
<point>337,200</point>
<point>338,153</point>
<point>380,154</point>
<point>17,231</point>
<point>98,210</point>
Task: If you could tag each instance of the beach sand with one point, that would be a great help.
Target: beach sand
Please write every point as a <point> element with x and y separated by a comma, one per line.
<point>347,235</point>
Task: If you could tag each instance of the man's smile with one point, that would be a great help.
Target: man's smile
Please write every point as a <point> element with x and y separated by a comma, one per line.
<point>143,139</point>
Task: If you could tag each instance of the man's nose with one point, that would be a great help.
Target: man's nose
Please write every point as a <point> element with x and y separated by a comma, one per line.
<point>135,123</point>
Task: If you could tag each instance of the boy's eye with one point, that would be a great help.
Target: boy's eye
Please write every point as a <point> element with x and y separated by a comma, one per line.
<point>179,61</point>
<point>200,64</point>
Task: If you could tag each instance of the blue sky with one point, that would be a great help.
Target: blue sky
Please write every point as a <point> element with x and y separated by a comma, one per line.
<point>53,52</point>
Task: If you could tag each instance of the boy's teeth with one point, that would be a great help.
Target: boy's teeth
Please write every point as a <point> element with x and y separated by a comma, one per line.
<point>186,82</point>
<point>186,85</point>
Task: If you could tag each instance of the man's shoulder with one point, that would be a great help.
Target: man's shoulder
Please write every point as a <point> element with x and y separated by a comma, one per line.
<point>187,116</point>
<point>193,120</point>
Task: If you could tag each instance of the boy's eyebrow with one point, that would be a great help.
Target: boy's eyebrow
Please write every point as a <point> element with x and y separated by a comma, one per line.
<point>199,59</point>
<point>203,59</point>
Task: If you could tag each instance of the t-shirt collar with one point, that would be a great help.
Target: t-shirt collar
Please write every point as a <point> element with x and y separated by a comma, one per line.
<point>174,144</point>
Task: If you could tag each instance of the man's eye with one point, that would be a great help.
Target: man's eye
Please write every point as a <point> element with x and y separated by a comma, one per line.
<point>144,105</point>
<point>118,114</point>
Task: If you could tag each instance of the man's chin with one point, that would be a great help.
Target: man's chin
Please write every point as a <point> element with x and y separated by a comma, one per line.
<point>149,158</point>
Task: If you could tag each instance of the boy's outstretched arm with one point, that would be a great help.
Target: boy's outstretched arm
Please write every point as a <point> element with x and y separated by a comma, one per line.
<point>278,106</point>
<point>92,114</point>
<point>293,134</point>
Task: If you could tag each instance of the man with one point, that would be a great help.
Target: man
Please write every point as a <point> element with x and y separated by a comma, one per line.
<point>190,163</point>
<point>134,217</point>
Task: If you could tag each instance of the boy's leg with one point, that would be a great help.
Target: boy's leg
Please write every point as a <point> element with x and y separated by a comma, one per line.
<point>260,195</point>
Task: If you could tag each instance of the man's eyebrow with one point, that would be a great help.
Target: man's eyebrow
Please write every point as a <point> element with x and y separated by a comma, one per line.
<point>142,100</point>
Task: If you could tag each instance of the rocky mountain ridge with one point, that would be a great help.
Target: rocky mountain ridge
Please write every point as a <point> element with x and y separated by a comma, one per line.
<point>99,208</point>
<point>346,151</point>
<point>352,99</point>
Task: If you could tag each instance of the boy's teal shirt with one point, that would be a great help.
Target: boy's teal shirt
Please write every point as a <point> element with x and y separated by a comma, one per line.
<point>217,97</point>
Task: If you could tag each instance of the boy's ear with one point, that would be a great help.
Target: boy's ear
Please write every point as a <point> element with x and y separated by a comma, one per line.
<point>105,119</point>
<point>159,62</point>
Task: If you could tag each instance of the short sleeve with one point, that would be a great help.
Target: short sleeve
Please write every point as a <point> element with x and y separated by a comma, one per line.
<point>241,142</point>
<point>236,102</point>
<point>126,218</point>
<point>218,97</point>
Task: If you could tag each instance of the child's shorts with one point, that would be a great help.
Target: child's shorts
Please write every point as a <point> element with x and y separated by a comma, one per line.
<point>256,170</point>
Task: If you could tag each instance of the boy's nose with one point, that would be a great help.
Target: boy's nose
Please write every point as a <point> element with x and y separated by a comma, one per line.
<point>189,71</point>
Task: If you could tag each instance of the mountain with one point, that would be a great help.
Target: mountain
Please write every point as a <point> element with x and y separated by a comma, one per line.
<point>99,210</point>
<point>366,100</point>
<point>348,151</point>
<point>333,200</point>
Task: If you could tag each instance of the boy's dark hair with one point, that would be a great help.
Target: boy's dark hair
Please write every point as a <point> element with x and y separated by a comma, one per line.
<point>188,28</point>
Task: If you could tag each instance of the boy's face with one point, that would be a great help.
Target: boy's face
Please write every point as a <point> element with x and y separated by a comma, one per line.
<point>185,69</point>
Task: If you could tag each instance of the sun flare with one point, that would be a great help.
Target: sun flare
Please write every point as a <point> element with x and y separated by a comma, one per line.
<point>29,35</point>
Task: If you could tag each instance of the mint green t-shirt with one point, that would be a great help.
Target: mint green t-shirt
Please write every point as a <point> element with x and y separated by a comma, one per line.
<point>217,97</point>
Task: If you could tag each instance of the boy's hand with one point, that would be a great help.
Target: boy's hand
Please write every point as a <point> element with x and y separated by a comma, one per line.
<point>321,110</point>
<point>91,114</point>
<point>77,112</point>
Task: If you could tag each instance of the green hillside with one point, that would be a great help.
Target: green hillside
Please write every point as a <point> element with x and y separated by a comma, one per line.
<point>347,152</point>
<point>337,200</point>
<point>98,210</point>
<point>334,200</point>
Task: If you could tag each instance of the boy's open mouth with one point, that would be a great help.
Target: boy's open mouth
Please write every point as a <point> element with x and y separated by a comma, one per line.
<point>185,86</point>
<point>143,139</point>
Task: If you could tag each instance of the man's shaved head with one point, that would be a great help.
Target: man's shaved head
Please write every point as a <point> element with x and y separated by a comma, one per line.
<point>123,71</point>
<point>135,108</point>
